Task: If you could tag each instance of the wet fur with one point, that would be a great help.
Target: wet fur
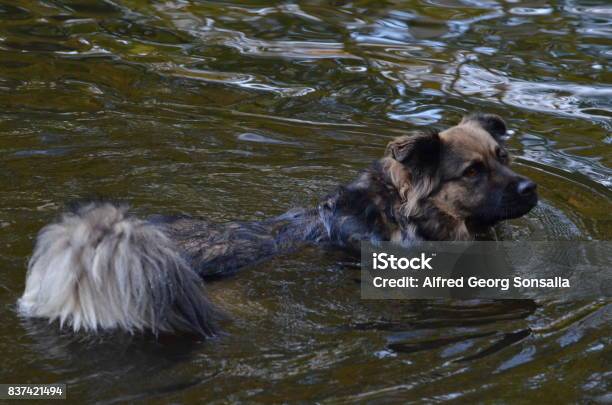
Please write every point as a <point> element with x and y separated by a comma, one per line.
<point>99,268</point>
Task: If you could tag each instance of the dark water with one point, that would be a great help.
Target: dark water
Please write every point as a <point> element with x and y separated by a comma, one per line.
<point>242,110</point>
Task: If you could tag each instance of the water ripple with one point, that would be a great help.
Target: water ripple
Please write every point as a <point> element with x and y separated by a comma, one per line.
<point>240,110</point>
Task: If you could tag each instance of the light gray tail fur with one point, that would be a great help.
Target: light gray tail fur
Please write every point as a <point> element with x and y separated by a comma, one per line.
<point>100,269</point>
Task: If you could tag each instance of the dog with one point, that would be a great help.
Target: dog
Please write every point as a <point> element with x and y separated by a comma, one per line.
<point>99,268</point>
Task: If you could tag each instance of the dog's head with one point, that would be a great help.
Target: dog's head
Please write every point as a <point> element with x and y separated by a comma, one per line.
<point>462,174</point>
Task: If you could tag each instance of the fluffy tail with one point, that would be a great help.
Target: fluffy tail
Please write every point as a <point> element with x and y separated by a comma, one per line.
<point>100,269</point>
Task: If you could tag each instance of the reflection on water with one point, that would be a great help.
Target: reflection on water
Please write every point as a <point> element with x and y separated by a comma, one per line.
<point>241,110</point>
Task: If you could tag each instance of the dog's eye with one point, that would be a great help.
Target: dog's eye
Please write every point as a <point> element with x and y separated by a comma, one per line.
<point>472,170</point>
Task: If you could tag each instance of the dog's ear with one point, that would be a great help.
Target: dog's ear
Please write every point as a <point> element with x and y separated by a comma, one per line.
<point>491,123</point>
<point>419,151</point>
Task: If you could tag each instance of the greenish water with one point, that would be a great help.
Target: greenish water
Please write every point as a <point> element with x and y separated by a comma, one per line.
<point>241,110</point>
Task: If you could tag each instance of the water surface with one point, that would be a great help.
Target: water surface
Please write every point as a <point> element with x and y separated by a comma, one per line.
<point>242,110</point>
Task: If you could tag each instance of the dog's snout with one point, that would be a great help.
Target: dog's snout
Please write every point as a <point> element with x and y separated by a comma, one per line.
<point>526,187</point>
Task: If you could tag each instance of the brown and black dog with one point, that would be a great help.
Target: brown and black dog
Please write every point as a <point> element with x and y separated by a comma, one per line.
<point>99,268</point>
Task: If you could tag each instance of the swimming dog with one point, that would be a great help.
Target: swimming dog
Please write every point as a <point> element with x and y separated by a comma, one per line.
<point>100,268</point>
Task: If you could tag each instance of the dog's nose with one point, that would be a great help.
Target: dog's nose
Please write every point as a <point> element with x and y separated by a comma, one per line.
<point>526,187</point>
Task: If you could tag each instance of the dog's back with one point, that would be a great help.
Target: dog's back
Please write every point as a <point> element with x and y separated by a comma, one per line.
<point>214,249</point>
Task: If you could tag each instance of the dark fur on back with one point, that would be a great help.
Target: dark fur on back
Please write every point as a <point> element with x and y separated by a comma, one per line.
<point>218,249</point>
<point>365,209</point>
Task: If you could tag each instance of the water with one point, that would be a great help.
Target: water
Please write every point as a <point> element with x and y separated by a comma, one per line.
<point>243,110</point>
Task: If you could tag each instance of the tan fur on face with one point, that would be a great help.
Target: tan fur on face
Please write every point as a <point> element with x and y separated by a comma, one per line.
<point>470,141</point>
<point>465,144</point>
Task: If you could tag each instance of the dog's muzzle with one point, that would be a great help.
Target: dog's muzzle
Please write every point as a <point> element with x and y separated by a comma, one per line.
<point>519,198</point>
